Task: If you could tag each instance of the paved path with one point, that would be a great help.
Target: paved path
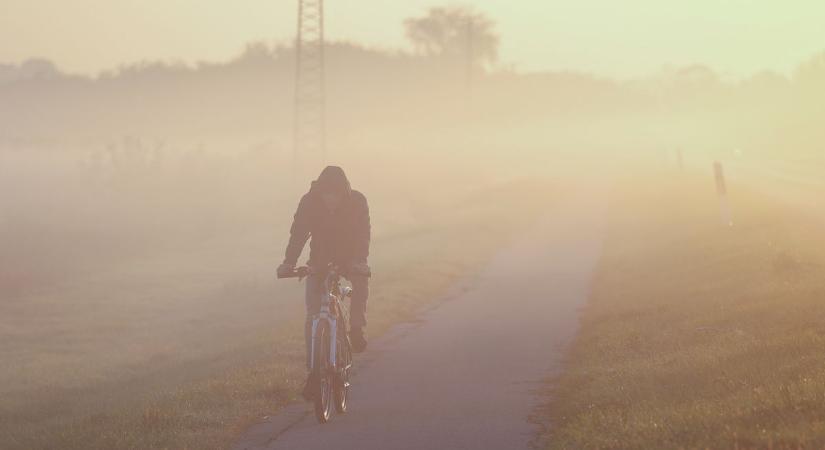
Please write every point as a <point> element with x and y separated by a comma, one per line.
<point>465,375</point>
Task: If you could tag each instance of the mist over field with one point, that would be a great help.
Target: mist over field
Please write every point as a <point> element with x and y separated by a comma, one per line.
<point>144,209</point>
<point>174,153</point>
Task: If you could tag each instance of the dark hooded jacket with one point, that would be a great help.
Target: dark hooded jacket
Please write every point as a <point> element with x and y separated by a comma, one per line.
<point>341,237</point>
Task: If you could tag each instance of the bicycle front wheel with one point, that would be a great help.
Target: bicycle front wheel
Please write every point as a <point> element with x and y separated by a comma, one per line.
<point>341,391</point>
<point>323,398</point>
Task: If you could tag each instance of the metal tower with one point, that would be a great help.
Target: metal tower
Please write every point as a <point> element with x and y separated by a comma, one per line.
<point>309,132</point>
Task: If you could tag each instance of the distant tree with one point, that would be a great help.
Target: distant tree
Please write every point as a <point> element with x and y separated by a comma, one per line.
<point>39,68</point>
<point>453,32</point>
<point>31,69</point>
<point>256,53</point>
<point>812,72</point>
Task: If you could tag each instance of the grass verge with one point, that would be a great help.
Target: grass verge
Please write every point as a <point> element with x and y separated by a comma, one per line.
<point>210,409</point>
<point>698,335</point>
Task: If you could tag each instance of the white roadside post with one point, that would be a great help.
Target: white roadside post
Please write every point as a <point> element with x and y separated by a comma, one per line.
<point>722,191</point>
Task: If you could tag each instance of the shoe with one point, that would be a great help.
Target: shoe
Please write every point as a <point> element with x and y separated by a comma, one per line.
<point>310,388</point>
<point>358,341</point>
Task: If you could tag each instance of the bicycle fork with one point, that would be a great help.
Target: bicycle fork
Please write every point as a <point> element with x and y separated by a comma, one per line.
<point>333,341</point>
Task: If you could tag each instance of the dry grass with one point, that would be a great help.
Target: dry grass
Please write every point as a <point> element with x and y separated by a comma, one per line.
<point>186,350</point>
<point>698,335</point>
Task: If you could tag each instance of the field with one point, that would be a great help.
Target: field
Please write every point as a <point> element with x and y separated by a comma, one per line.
<point>698,335</point>
<point>142,311</point>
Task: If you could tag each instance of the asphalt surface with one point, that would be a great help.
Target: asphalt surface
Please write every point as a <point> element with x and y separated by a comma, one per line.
<point>467,374</point>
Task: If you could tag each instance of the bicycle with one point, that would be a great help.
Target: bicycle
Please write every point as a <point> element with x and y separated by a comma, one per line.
<point>331,351</point>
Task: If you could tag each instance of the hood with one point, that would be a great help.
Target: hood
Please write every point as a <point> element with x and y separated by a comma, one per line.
<point>332,179</point>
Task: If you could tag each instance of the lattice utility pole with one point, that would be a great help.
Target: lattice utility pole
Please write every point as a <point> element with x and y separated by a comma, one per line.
<point>470,63</point>
<point>309,132</point>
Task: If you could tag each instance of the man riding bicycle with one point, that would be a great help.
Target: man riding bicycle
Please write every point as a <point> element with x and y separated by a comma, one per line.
<point>337,218</point>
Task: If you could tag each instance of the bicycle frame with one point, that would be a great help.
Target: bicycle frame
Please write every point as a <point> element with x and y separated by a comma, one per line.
<point>330,312</point>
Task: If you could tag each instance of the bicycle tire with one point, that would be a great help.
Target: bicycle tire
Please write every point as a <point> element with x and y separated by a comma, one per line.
<point>342,387</point>
<point>323,397</point>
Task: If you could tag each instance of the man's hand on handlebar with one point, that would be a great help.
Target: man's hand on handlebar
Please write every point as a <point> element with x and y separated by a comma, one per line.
<point>286,270</point>
<point>289,271</point>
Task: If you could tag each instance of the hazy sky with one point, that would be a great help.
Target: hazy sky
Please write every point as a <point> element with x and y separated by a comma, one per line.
<point>610,37</point>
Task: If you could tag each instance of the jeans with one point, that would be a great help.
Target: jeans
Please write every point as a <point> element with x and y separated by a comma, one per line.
<point>358,307</point>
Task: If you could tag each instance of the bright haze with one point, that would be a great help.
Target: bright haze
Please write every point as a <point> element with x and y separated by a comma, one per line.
<point>147,185</point>
<point>736,37</point>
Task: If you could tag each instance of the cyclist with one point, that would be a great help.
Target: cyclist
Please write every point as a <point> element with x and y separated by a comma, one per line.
<point>337,218</point>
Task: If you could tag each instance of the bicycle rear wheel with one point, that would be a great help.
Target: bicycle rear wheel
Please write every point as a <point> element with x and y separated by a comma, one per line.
<point>323,397</point>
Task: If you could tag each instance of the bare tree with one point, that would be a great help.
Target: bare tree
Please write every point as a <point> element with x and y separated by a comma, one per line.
<point>454,32</point>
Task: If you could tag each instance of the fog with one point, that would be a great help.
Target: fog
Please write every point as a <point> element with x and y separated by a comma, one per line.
<point>177,153</point>
<point>141,206</point>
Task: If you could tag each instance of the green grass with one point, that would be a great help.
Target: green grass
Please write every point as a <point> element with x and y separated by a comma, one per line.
<point>698,335</point>
<point>186,350</point>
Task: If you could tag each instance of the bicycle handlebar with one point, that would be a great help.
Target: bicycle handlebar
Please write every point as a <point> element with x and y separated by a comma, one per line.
<point>300,272</point>
<point>304,271</point>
